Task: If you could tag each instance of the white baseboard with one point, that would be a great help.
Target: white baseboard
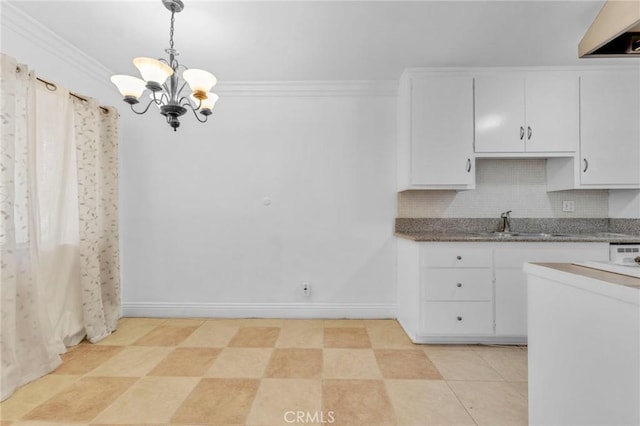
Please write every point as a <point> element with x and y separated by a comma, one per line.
<point>488,339</point>
<point>258,310</point>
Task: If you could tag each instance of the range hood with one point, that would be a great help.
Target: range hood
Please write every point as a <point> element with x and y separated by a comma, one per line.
<point>615,32</point>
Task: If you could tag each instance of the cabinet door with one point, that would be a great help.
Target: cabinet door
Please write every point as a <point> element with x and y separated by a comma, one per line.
<point>610,128</point>
<point>511,302</point>
<point>552,112</point>
<point>511,281</point>
<point>442,131</point>
<point>499,113</point>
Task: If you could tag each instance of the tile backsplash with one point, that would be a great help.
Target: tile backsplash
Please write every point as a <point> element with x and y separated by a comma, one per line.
<point>517,185</point>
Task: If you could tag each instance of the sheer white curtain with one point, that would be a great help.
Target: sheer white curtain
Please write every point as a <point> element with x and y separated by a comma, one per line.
<point>25,340</point>
<point>59,236</point>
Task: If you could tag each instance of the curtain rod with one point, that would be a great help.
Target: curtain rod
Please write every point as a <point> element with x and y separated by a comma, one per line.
<point>51,86</point>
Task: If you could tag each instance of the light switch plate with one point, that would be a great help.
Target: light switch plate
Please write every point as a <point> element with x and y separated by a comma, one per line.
<point>568,206</point>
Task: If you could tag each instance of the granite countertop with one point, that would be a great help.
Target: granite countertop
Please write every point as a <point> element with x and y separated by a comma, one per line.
<point>601,237</point>
<point>602,230</point>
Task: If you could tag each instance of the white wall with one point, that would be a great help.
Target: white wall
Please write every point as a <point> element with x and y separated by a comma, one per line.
<point>198,237</point>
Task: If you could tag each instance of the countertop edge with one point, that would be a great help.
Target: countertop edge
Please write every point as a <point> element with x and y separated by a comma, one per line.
<point>449,237</point>
<point>609,284</point>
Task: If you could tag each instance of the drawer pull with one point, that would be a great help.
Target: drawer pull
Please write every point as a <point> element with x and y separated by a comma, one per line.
<point>458,285</point>
<point>459,318</point>
<point>459,257</point>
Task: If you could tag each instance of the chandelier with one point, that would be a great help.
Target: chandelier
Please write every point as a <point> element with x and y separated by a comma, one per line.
<point>160,76</point>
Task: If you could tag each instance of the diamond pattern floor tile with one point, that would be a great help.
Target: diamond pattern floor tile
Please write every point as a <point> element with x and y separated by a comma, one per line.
<point>158,371</point>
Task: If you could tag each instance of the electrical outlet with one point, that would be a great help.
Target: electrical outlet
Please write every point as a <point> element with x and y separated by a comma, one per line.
<point>568,206</point>
<point>305,288</point>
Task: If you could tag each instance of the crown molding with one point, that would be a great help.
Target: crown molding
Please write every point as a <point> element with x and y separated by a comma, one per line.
<point>307,88</point>
<point>18,22</point>
<point>630,64</point>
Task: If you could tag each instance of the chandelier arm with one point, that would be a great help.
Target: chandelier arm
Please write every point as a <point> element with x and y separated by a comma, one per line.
<point>164,97</point>
<point>206,117</point>
<point>188,102</point>
<point>166,90</point>
<point>152,101</point>
<point>180,91</point>
<point>194,110</point>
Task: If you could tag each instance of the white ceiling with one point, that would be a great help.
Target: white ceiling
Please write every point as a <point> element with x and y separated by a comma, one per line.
<point>325,40</point>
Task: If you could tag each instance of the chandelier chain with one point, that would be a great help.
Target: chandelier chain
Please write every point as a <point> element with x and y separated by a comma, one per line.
<point>171,30</point>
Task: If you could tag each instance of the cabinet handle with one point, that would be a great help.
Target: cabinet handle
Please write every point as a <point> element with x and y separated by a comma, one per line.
<point>468,165</point>
<point>459,318</point>
<point>458,285</point>
<point>521,132</point>
<point>529,132</point>
<point>459,257</point>
<point>586,165</point>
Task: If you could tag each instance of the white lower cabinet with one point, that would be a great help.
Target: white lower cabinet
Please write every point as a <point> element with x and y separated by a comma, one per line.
<point>511,302</point>
<point>475,292</point>
<point>511,281</point>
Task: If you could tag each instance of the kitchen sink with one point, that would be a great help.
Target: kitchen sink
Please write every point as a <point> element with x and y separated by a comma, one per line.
<point>609,235</point>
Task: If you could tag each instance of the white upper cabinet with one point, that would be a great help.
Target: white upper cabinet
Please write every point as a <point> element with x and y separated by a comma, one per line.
<point>584,121</point>
<point>499,116</point>
<point>534,112</point>
<point>610,128</point>
<point>609,156</point>
<point>552,112</point>
<point>435,131</point>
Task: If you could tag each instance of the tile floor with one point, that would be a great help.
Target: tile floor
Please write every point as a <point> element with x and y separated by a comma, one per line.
<point>274,372</point>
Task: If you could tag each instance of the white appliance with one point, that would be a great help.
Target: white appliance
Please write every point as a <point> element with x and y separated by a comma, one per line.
<point>622,260</point>
<point>624,254</point>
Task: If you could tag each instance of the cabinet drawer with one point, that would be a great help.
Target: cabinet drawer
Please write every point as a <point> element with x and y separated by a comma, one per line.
<point>457,318</point>
<point>456,258</point>
<point>457,284</point>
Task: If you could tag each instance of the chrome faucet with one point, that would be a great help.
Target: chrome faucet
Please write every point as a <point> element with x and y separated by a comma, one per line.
<point>506,221</point>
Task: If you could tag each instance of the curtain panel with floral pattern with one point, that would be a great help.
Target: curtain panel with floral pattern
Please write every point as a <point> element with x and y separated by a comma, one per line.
<point>60,265</point>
